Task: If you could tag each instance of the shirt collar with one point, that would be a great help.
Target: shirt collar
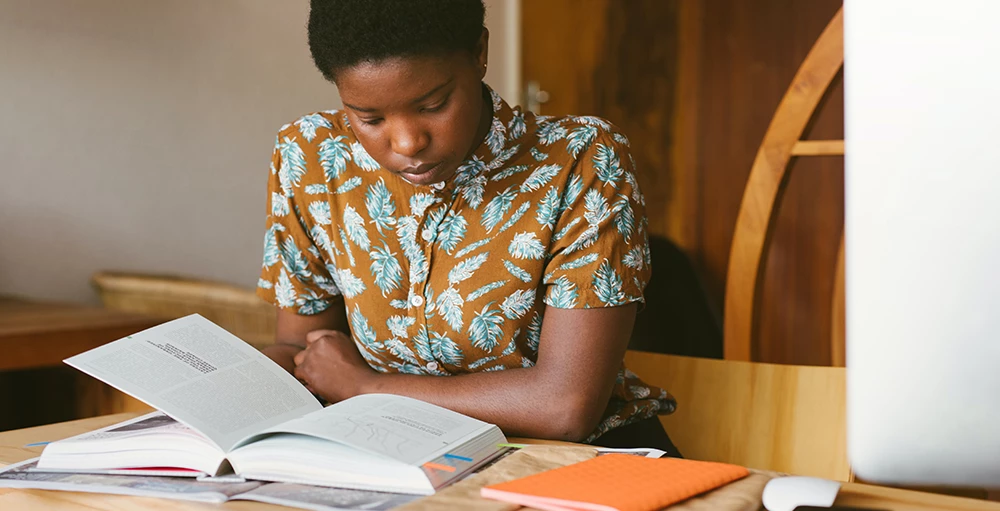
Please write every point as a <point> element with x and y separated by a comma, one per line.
<point>499,145</point>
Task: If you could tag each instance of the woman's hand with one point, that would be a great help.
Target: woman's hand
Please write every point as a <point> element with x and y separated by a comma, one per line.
<point>331,366</point>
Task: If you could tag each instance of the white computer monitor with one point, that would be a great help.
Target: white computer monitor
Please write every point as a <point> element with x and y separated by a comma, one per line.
<point>922,96</point>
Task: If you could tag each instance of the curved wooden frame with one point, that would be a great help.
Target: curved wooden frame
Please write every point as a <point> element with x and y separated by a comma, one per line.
<point>767,181</point>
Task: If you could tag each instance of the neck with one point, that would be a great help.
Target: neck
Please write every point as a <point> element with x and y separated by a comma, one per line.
<point>485,121</point>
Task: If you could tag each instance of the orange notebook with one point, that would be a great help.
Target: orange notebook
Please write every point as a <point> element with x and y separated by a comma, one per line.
<point>619,482</point>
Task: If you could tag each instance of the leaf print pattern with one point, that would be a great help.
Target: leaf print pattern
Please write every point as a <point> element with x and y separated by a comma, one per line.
<point>526,245</point>
<point>406,231</point>
<point>517,271</point>
<point>317,189</point>
<point>451,231</point>
<point>465,269</point>
<point>473,247</point>
<point>579,263</point>
<point>272,253</point>
<point>510,171</point>
<point>293,160</point>
<point>517,126</point>
<point>472,191</point>
<point>521,210</point>
<point>548,209</point>
<point>347,246</point>
<point>633,258</point>
<point>498,207</point>
<point>385,269</point>
<point>573,190</point>
<point>580,139</point>
<point>479,293</point>
<point>540,177</point>
<point>495,138</point>
<point>445,349</point>
<point>349,185</point>
<point>279,204</point>
<point>362,159</point>
<point>620,138</point>
<point>550,132</point>
<point>562,294</point>
<point>398,325</point>
<point>294,261</point>
<point>450,303</point>
<point>484,328</point>
<point>322,239</point>
<point>380,206</point>
<point>624,218</point>
<point>518,303</point>
<point>355,227</point>
<point>607,165</point>
<point>284,292</point>
<point>333,156</point>
<point>608,285</point>
<point>452,276</point>
<point>348,283</point>
<point>320,211</point>
<point>308,124</point>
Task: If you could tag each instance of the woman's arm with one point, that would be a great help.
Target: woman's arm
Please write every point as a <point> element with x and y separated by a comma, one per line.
<point>562,397</point>
<point>291,330</point>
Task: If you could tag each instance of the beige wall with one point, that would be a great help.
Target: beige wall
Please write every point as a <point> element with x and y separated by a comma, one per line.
<point>135,135</point>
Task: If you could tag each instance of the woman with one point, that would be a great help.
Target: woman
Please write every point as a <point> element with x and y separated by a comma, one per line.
<point>428,229</point>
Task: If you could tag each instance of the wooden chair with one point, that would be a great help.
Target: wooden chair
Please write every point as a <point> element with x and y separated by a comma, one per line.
<point>234,308</point>
<point>768,177</point>
<point>783,418</point>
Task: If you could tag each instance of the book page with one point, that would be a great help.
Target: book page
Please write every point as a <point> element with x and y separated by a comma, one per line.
<point>398,427</point>
<point>21,475</point>
<point>201,375</point>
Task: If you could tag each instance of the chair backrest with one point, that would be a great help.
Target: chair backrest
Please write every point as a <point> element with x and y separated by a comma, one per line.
<point>234,308</point>
<point>766,416</point>
<point>767,180</point>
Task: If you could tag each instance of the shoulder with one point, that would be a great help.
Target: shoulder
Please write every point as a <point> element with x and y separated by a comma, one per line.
<point>577,132</point>
<point>313,128</point>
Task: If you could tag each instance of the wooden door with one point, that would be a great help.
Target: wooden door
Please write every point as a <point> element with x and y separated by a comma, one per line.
<point>694,83</point>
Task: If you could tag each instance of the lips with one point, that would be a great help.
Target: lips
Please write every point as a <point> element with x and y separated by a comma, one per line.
<point>423,168</point>
<point>420,174</point>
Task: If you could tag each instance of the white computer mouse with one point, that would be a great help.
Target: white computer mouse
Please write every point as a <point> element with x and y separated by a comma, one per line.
<point>787,493</point>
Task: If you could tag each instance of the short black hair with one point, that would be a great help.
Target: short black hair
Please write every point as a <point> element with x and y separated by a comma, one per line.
<point>343,33</point>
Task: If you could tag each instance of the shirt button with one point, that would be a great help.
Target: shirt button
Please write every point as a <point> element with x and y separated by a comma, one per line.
<point>416,300</point>
<point>439,186</point>
<point>432,366</point>
<point>427,235</point>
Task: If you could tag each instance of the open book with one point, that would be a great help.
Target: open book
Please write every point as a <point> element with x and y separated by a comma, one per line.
<point>228,408</point>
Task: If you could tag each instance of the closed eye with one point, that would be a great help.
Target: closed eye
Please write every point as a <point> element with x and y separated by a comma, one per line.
<point>435,108</point>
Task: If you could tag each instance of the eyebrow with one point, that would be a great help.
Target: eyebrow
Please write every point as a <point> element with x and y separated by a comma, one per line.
<point>417,100</point>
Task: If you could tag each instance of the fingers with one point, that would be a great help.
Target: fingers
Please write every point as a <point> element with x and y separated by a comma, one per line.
<point>316,335</point>
<point>299,358</point>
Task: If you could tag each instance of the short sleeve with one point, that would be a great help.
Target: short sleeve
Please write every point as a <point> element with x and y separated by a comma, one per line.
<point>294,275</point>
<point>599,254</point>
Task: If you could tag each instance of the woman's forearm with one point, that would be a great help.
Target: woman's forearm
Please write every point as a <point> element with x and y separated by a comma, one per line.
<point>521,401</point>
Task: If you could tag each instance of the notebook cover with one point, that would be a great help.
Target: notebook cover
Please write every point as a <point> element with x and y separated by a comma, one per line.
<point>616,482</point>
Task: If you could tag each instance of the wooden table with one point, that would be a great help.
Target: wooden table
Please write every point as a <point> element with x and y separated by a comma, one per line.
<point>42,334</point>
<point>12,449</point>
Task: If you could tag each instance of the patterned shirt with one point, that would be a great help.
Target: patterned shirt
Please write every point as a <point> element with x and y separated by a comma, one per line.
<point>455,277</point>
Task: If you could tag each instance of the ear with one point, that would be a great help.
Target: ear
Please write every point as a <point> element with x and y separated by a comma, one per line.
<point>482,53</point>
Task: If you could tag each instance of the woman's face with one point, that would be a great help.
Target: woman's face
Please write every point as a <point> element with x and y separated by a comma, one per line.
<point>419,117</point>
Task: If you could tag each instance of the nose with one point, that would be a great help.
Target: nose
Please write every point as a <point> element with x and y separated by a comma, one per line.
<point>409,139</point>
